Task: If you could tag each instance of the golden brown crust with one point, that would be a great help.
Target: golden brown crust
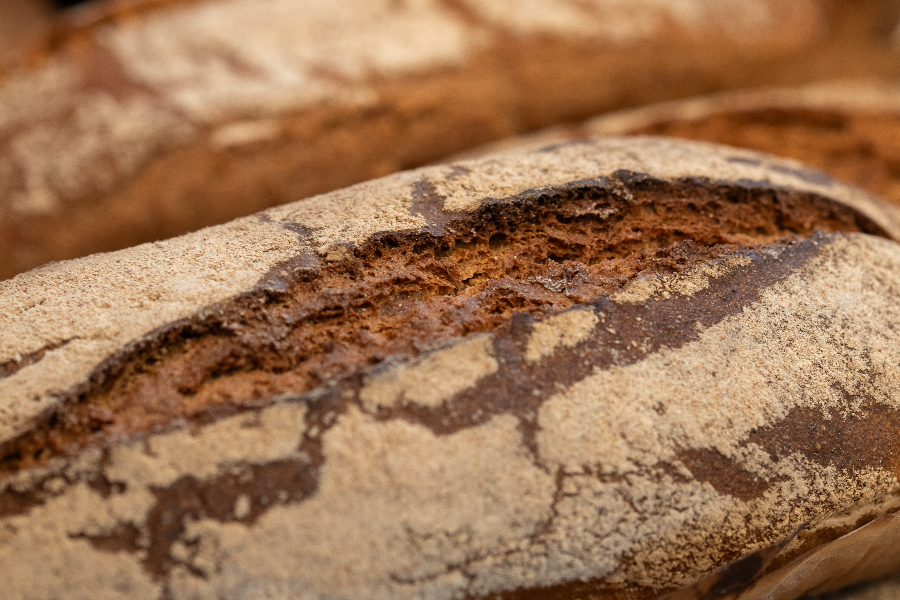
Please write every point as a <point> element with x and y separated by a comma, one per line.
<point>849,130</point>
<point>620,438</point>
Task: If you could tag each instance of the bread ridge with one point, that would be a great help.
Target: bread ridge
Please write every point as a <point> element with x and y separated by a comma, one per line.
<point>389,484</point>
<point>102,123</point>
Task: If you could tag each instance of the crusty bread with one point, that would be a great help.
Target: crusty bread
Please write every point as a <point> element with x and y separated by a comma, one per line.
<point>850,130</point>
<point>147,119</point>
<point>608,368</point>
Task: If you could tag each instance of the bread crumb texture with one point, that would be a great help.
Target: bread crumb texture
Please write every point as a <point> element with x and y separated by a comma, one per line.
<point>397,511</point>
<point>639,458</point>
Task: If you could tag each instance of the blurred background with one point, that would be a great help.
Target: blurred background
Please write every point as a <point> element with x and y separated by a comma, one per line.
<point>128,121</point>
<point>22,22</point>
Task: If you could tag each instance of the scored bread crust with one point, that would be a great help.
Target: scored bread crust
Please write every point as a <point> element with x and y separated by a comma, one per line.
<point>624,445</point>
<point>96,130</point>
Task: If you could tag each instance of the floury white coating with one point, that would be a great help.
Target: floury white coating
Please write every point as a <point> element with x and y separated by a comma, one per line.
<point>566,329</point>
<point>431,381</point>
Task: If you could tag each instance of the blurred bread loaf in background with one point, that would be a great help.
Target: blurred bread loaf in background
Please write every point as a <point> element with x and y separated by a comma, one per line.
<point>139,120</point>
<point>850,130</point>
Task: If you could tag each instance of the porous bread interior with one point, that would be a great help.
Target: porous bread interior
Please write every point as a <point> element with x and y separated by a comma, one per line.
<point>861,147</point>
<point>400,294</point>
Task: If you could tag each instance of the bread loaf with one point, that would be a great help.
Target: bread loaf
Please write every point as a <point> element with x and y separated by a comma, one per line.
<point>604,369</point>
<point>147,119</point>
<point>850,130</point>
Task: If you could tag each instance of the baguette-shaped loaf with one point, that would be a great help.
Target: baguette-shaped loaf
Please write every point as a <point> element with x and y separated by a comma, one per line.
<point>601,369</point>
<point>148,119</point>
<point>849,130</point>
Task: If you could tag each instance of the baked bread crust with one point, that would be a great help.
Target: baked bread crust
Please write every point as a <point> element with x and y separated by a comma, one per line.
<point>622,444</point>
<point>849,130</point>
<point>97,130</point>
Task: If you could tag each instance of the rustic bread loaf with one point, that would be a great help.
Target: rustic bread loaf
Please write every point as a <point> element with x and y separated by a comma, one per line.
<point>850,130</point>
<point>148,119</point>
<point>605,368</point>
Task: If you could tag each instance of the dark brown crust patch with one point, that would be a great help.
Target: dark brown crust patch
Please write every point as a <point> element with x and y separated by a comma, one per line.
<point>723,474</point>
<point>12,367</point>
<point>866,438</point>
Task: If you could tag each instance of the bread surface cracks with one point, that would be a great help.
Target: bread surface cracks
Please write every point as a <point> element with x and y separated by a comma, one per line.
<point>399,295</point>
